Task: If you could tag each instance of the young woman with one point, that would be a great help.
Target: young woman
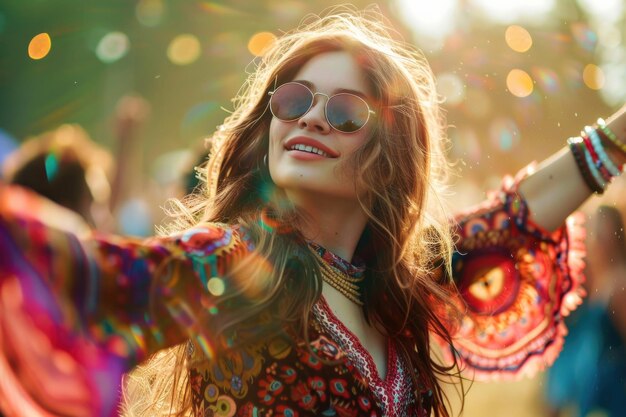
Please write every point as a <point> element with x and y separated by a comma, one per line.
<point>313,273</point>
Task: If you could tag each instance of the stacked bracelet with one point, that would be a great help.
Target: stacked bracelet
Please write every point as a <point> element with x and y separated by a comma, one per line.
<point>604,129</point>
<point>596,166</point>
<point>592,157</point>
<point>576,146</point>
<point>604,159</point>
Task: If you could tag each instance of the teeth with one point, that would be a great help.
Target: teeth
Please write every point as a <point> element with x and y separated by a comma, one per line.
<point>310,149</point>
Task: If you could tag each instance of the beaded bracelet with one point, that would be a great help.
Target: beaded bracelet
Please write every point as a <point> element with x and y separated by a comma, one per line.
<point>595,172</point>
<point>605,139</point>
<point>599,149</point>
<point>578,153</point>
<point>610,135</point>
<point>606,175</point>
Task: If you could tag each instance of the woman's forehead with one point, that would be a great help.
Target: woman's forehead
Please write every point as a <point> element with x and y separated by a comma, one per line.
<point>331,71</point>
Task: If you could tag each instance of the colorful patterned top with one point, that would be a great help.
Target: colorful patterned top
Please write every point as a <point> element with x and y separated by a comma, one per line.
<point>76,314</point>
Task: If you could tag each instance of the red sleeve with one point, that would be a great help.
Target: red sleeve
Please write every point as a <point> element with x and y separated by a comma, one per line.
<point>516,281</point>
<point>77,313</point>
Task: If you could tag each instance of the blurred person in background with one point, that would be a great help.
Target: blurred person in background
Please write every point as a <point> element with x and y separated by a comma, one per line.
<point>589,377</point>
<point>67,168</point>
<point>73,172</point>
<point>315,266</point>
<point>134,198</point>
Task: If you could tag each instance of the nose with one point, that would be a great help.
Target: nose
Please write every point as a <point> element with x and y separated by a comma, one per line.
<point>315,118</point>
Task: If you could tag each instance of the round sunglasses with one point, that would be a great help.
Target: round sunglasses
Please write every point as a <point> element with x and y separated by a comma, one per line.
<point>345,112</point>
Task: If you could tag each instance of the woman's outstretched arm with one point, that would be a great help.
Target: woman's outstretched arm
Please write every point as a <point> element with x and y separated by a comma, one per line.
<point>519,264</point>
<point>557,187</point>
<point>77,313</point>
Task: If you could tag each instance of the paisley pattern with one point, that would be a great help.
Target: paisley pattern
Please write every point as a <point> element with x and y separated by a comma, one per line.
<point>282,376</point>
<point>516,283</point>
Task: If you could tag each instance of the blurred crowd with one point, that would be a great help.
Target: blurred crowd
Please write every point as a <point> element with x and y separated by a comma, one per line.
<point>85,186</point>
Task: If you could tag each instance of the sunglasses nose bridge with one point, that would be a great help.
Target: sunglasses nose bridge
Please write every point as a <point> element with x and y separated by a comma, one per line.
<point>319,94</point>
<point>314,101</point>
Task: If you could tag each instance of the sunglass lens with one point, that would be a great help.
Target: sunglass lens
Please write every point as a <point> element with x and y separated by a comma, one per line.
<point>290,101</point>
<point>347,113</point>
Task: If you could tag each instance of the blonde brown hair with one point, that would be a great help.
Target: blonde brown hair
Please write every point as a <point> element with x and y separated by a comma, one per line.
<point>407,243</point>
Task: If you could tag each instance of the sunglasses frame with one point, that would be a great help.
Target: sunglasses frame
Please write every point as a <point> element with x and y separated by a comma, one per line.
<point>370,112</point>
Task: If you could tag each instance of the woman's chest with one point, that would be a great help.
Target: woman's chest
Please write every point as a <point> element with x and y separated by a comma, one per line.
<point>279,377</point>
<point>283,376</point>
<point>350,319</point>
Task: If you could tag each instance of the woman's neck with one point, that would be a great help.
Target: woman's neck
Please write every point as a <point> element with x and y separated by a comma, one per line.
<point>333,223</point>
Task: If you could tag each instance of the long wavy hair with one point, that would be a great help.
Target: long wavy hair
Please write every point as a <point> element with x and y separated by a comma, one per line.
<point>407,242</point>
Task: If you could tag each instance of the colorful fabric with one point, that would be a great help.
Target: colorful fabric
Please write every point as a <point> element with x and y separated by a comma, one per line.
<point>516,283</point>
<point>355,269</point>
<point>86,304</point>
<point>281,377</point>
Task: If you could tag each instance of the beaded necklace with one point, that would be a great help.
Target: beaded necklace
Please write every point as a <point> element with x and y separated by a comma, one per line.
<point>339,280</point>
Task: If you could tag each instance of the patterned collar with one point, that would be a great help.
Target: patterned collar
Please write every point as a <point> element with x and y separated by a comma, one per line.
<point>355,270</point>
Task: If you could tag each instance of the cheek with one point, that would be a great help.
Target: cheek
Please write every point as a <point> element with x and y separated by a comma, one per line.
<point>273,127</point>
<point>354,142</point>
<point>277,131</point>
<point>275,135</point>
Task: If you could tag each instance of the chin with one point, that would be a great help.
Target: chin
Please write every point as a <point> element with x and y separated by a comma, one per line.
<point>296,178</point>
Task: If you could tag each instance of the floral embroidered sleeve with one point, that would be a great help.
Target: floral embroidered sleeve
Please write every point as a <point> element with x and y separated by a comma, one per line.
<point>516,281</point>
<point>76,314</point>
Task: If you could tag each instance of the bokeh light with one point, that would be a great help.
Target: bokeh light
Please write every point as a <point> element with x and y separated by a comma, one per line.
<point>518,38</point>
<point>260,42</point>
<point>112,47</point>
<point>519,83</point>
<point>435,19</point>
<point>39,46</point>
<point>134,217</point>
<point>504,133</point>
<point>217,8</point>
<point>614,90</point>
<point>584,35</point>
<point>150,12</point>
<point>547,79</point>
<point>593,77</point>
<point>515,10</point>
<point>451,87</point>
<point>216,286</point>
<point>607,10</point>
<point>184,49</point>
<point>609,36</point>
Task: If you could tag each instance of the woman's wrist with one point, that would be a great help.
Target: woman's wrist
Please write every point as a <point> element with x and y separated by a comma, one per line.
<point>614,138</point>
<point>600,152</point>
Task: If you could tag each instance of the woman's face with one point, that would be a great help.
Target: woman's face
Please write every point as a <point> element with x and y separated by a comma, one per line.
<point>298,171</point>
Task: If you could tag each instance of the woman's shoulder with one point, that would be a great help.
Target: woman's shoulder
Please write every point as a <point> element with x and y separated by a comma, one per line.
<point>214,238</point>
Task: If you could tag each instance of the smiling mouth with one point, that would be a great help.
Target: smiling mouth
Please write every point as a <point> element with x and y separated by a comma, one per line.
<point>309,149</point>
